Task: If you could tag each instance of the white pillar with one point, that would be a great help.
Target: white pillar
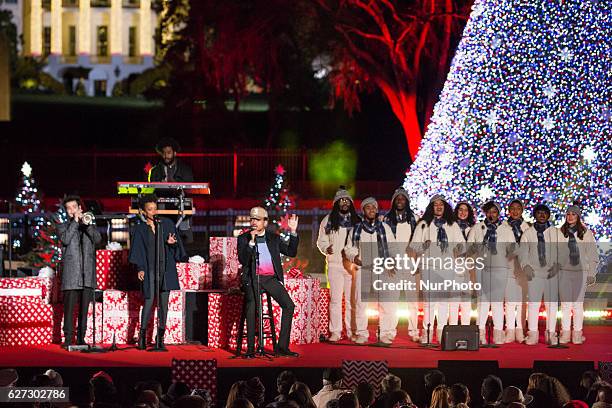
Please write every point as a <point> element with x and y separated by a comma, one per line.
<point>145,29</point>
<point>116,28</point>
<point>84,28</point>
<point>56,27</point>
<point>36,28</point>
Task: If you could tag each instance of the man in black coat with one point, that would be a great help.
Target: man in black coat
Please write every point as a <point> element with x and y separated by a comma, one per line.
<point>78,267</point>
<point>171,169</point>
<point>142,254</point>
<point>259,254</point>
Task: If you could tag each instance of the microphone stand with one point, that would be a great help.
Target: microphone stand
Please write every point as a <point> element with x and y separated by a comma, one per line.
<point>260,351</point>
<point>429,344</point>
<point>489,323</point>
<point>159,241</point>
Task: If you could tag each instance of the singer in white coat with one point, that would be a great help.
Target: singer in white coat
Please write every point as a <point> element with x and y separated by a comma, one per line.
<point>333,237</point>
<point>464,215</point>
<point>578,262</point>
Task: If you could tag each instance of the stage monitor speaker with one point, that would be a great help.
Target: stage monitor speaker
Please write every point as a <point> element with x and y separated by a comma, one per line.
<point>459,338</point>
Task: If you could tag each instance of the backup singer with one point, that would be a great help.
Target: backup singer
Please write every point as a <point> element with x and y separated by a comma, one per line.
<point>267,247</point>
<point>78,262</point>
<point>142,254</point>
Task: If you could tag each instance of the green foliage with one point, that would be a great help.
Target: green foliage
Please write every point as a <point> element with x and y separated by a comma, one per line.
<point>9,31</point>
<point>333,165</point>
<point>49,83</point>
<point>150,83</point>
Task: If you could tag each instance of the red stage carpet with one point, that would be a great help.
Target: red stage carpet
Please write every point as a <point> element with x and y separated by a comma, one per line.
<point>403,354</point>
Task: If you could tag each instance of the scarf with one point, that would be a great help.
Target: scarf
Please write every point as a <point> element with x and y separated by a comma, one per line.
<point>573,246</point>
<point>490,238</point>
<point>377,228</point>
<point>345,222</point>
<point>516,228</point>
<point>441,237</point>
<point>463,224</point>
<point>392,219</point>
<point>540,228</point>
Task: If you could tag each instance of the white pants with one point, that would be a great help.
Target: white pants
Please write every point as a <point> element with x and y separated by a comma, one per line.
<point>571,291</point>
<point>514,304</point>
<point>413,318</point>
<point>491,296</point>
<point>341,283</point>
<point>453,312</point>
<point>538,288</point>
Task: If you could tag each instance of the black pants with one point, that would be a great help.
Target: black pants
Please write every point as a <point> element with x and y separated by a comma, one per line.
<point>71,298</point>
<point>278,292</point>
<point>162,310</point>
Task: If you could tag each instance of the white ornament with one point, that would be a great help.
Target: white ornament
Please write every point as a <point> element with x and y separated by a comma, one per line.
<point>548,123</point>
<point>589,154</point>
<point>593,219</point>
<point>565,54</point>
<point>550,91</point>
<point>26,169</point>
<point>492,120</point>
<point>485,193</point>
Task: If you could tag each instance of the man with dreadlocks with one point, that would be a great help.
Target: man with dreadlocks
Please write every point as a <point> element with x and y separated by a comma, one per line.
<point>515,287</point>
<point>437,236</point>
<point>375,238</point>
<point>402,221</point>
<point>538,261</point>
<point>489,241</point>
<point>333,237</point>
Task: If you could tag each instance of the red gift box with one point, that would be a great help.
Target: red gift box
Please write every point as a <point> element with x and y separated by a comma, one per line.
<point>25,321</point>
<point>58,323</point>
<point>194,276</point>
<point>175,320</point>
<point>223,316</point>
<point>121,315</point>
<point>294,273</point>
<point>224,262</point>
<point>26,336</point>
<point>323,312</point>
<point>31,286</point>
<point>113,270</point>
<point>305,293</point>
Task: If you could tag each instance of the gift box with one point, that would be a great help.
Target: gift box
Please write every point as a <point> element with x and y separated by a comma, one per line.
<point>224,312</point>
<point>224,262</point>
<point>31,286</point>
<point>113,270</point>
<point>58,323</point>
<point>121,315</point>
<point>194,276</point>
<point>276,309</point>
<point>25,321</point>
<point>294,273</point>
<point>175,321</point>
<point>305,293</point>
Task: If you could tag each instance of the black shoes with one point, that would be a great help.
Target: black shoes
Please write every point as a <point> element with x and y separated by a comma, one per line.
<point>286,353</point>
<point>142,342</point>
<point>250,354</point>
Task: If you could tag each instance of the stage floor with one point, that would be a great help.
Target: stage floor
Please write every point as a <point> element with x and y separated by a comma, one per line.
<point>402,354</point>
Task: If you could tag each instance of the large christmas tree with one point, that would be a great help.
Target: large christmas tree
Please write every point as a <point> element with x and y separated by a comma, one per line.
<point>525,111</point>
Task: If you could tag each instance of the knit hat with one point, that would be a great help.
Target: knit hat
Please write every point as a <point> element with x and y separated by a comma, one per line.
<point>255,391</point>
<point>486,206</point>
<point>436,197</point>
<point>369,200</point>
<point>398,192</point>
<point>333,375</point>
<point>516,200</point>
<point>342,193</point>
<point>573,209</point>
<point>541,207</point>
<point>55,378</point>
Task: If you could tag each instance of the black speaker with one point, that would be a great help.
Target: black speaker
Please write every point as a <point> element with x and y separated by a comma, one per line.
<point>459,338</point>
<point>196,317</point>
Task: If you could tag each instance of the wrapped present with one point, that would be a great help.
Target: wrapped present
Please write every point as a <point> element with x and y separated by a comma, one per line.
<point>113,270</point>
<point>294,273</point>
<point>224,262</point>
<point>32,286</point>
<point>305,293</point>
<point>224,312</point>
<point>58,323</point>
<point>194,276</point>
<point>121,315</point>
<point>25,321</point>
<point>276,310</point>
<point>323,312</point>
<point>197,374</point>
<point>175,321</point>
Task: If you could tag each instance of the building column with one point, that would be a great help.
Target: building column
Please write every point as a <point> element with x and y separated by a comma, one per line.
<point>116,32</point>
<point>36,28</point>
<point>84,32</point>
<point>56,33</point>
<point>145,37</point>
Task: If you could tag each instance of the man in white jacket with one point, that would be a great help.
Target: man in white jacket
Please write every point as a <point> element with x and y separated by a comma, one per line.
<point>372,239</point>
<point>537,257</point>
<point>490,240</point>
<point>333,237</point>
<point>402,221</point>
<point>516,285</point>
<point>437,237</point>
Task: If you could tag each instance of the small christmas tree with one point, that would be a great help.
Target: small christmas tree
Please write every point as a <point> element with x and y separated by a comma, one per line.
<point>278,202</point>
<point>27,197</point>
<point>47,249</point>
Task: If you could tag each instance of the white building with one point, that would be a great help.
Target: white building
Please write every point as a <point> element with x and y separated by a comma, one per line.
<point>102,41</point>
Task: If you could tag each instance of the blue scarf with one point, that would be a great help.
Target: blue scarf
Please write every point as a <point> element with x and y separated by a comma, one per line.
<point>490,238</point>
<point>345,222</point>
<point>516,228</point>
<point>441,237</point>
<point>463,224</point>
<point>573,246</point>
<point>540,228</point>
<point>406,216</point>
<point>381,237</point>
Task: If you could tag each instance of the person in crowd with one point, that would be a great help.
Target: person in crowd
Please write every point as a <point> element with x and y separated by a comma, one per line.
<point>241,403</point>
<point>143,254</point>
<point>512,395</point>
<point>436,237</point>
<point>255,392</point>
<point>587,380</point>
<point>464,215</point>
<point>236,392</point>
<point>148,397</point>
<point>374,237</point>
<point>102,390</point>
<point>332,387</point>
<point>491,390</point>
<point>432,379</point>
<point>515,286</point>
<point>402,221</point>
<point>440,397</point>
<point>175,391</point>
<point>284,382</point>
<point>399,398</point>
<point>537,260</point>
<point>578,260</point>
<point>388,384</point>
<point>365,394</point>
<point>333,237</point>
<point>348,399</point>
<point>488,241</point>
<point>303,389</point>
<point>192,401</point>
<point>78,239</point>
<point>458,393</point>
<point>259,254</point>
